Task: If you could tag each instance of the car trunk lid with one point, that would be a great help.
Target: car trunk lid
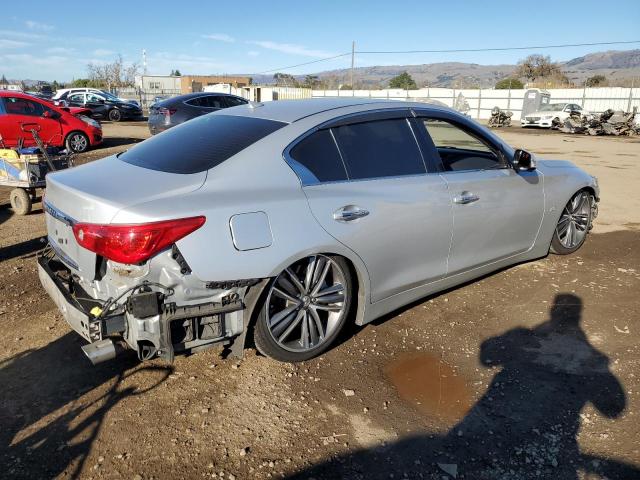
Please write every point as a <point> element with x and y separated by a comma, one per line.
<point>95,193</point>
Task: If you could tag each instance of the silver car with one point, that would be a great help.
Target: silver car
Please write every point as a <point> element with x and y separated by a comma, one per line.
<point>288,219</point>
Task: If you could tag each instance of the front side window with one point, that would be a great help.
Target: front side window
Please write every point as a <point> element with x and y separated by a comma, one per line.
<point>459,150</point>
<point>22,106</point>
<point>318,158</point>
<point>76,98</point>
<point>382,148</point>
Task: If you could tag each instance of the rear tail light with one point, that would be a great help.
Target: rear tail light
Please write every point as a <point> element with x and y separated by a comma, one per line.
<point>134,243</point>
<point>167,112</point>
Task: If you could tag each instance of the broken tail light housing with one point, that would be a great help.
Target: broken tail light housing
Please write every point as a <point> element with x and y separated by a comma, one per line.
<point>134,243</point>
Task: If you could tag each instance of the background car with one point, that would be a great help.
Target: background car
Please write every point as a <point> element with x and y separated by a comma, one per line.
<point>20,113</point>
<point>174,111</point>
<point>548,113</point>
<point>63,93</point>
<point>101,106</point>
<point>292,218</point>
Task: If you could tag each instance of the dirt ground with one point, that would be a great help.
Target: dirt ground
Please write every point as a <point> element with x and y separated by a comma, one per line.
<point>532,372</point>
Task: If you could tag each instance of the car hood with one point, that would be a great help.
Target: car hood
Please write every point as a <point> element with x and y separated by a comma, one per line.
<point>97,191</point>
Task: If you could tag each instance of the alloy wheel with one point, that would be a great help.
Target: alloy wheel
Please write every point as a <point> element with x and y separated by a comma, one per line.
<point>306,303</point>
<point>78,143</point>
<point>574,221</point>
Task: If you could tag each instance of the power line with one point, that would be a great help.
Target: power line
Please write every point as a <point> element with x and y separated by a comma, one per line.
<point>302,64</point>
<point>452,50</point>
<point>501,49</point>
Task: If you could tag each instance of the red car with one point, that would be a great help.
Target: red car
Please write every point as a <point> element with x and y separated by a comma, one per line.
<point>58,127</point>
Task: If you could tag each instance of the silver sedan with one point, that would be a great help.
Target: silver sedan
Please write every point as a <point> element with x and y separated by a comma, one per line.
<point>288,219</point>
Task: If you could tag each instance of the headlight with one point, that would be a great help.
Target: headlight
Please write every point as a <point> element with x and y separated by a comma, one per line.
<point>90,121</point>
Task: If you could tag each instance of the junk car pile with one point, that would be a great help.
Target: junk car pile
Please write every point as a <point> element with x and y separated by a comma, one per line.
<point>609,122</point>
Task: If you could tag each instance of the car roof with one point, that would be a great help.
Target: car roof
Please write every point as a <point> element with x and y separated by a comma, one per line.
<point>290,111</point>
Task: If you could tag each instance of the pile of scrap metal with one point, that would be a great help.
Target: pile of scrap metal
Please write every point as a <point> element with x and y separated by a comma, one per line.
<point>462,105</point>
<point>500,118</point>
<point>609,122</point>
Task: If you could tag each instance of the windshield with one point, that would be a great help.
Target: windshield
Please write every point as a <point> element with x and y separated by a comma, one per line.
<point>110,96</point>
<point>552,107</point>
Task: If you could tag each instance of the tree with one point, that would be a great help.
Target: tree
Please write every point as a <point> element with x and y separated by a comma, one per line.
<point>175,73</point>
<point>4,80</point>
<point>111,75</point>
<point>536,66</point>
<point>596,81</point>
<point>403,81</point>
<point>311,81</point>
<point>285,79</point>
<point>509,83</point>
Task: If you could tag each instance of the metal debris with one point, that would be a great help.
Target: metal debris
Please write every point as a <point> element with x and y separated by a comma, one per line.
<point>500,118</point>
<point>609,122</point>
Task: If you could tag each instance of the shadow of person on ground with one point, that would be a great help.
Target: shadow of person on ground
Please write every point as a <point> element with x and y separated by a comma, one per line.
<point>53,403</point>
<point>524,426</point>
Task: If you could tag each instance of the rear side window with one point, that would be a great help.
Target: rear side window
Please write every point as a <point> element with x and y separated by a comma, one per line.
<point>318,155</point>
<point>384,148</point>
<point>2,112</point>
<point>199,144</point>
<point>234,101</point>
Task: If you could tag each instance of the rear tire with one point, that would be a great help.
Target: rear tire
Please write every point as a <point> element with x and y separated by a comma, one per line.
<point>115,115</point>
<point>20,201</point>
<point>304,309</point>
<point>574,224</point>
<point>77,142</point>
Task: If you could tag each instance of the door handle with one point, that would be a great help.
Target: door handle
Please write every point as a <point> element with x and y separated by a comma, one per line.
<point>466,197</point>
<point>349,213</point>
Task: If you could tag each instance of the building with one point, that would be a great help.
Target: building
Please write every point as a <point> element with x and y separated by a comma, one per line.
<point>186,83</point>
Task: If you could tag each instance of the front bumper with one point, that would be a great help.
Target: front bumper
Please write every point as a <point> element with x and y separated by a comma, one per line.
<point>537,123</point>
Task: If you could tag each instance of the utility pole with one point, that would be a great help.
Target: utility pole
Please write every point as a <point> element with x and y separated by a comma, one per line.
<point>353,57</point>
<point>144,61</point>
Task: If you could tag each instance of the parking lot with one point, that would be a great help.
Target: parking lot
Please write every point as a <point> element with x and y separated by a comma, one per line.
<point>529,372</point>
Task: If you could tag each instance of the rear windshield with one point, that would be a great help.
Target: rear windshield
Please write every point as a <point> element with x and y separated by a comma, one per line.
<point>199,144</point>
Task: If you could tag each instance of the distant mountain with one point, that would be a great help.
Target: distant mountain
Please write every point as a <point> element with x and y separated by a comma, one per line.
<point>613,59</point>
<point>615,65</point>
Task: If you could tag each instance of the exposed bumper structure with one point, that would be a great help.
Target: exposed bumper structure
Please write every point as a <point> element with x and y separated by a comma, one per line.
<point>146,320</point>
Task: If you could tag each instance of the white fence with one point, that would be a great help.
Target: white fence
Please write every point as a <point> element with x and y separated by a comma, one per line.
<point>482,101</point>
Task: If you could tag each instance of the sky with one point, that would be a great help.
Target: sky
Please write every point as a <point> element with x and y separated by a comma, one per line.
<point>56,43</point>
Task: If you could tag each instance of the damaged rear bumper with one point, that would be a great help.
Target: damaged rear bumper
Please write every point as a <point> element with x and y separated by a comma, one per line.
<point>145,320</point>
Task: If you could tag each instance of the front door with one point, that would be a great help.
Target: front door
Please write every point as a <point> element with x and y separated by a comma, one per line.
<point>496,211</point>
<point>25,115</point>
<point>367,185</point>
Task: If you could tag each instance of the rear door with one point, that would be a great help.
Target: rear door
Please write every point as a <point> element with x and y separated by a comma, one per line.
<point>496,211</point>
<point>367,185</point>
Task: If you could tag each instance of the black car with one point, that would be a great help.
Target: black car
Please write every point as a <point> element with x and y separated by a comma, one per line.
<point>169,113</point>
<point>104,106</point>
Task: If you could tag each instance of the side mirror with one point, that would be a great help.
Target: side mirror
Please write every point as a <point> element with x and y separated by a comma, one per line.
<point>523,161</point>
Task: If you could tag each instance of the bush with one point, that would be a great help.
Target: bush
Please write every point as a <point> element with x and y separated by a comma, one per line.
<point>509,83</point>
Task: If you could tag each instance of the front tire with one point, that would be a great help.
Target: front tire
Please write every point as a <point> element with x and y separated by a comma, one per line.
<point>304,309</point>
<point>115,115</point>
<point>573,225</point>
<point>77,142</point>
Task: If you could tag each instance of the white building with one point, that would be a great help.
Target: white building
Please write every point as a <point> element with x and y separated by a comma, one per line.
<point>158,82</point>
